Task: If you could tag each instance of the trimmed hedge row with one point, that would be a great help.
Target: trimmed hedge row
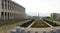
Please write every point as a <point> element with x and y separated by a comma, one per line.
<point>26,24</point>
<point>2,23</point>
<point>51,23</point>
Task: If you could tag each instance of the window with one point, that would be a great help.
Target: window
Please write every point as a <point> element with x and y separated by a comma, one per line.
<point>2,13</point>
<point>2,4</point>
<point>8,5</point>
<point>8,15</point>
<point>5,0</point>
<point>5,6</point>
<point>5,13</point>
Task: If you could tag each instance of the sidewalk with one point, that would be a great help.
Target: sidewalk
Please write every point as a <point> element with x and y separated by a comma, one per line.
<point>47,23</point>
<point>31,24</point>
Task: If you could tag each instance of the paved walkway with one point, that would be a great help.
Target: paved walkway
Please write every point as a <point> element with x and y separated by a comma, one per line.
<point>31,24</point>
<point>47,23</point>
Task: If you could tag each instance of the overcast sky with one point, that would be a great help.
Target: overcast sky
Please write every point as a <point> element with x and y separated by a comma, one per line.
<point>43,7</point>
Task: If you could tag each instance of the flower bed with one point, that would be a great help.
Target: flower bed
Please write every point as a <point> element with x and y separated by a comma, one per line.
<point>26,24</point>
<point>39,24</point>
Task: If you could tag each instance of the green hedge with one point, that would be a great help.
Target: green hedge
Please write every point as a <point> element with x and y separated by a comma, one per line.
<point>8,22</point>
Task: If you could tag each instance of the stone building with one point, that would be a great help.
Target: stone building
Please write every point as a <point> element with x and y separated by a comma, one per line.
<point>11,10</point>
<point>55,16</point>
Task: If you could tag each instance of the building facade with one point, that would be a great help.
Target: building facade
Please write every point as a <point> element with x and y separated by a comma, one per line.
<point>11,10</point>
<point>55,16</point>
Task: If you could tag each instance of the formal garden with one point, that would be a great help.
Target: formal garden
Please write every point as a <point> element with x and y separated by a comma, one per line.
<point>27,24</point>
<point>10,22</point>
<point>52,23</point>
<point>39,24</point>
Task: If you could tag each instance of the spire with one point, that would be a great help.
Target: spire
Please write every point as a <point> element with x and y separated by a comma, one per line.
<point>38,14</point>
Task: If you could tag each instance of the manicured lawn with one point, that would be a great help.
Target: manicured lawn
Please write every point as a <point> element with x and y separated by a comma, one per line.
<point>10,22</point>
<point>39,24</point>
<point>51,23</point>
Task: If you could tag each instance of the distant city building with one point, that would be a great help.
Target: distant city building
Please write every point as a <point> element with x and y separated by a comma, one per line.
<point>55,16</point>
<point>46,17</point>
<point>36,17</point>
<point>11,10</point>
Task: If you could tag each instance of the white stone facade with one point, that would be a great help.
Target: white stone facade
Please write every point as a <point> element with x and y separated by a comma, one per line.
<point>56,16</point>
<point>11,10</point>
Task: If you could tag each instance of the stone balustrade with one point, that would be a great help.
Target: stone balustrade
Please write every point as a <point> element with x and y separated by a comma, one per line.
<point>23,30</point>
